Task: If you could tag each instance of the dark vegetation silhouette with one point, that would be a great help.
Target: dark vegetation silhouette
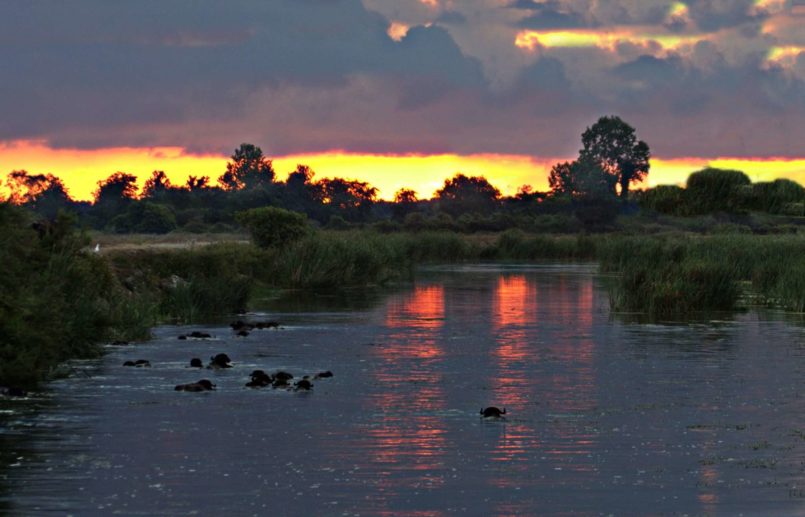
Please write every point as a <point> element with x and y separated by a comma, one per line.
<point>588,194</point>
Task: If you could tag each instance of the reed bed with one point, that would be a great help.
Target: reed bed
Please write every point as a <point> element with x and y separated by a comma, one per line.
<point>680,274</point>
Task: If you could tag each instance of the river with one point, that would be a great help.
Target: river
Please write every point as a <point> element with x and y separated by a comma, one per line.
<point>604,415</point>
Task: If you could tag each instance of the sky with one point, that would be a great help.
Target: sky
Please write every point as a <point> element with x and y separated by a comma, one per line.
<point>398,92</point>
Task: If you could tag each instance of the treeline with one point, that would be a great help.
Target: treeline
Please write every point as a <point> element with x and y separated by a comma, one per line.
<point>587,194</point>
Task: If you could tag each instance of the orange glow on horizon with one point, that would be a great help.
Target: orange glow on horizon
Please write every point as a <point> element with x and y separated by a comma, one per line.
<point>80,170</point>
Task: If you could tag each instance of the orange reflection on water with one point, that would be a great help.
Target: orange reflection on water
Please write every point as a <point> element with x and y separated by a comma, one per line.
<point>584,313</point>
<point>708,482</point>
<point>515,301</point>
<point>410,441</point>
<point>514,308</point>
<point>422,309</point>
<point>418,317</point>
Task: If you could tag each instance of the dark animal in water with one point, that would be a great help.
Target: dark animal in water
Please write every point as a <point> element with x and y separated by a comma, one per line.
<point>259,379</point>
<point>196,363</point>
<point>304,384</point>
<point>493,412</point>
<point>239,326</point>
<point>242,333</point>
<point>202,385</point>
<point>323,375</point>
<point>283,375</point>
<point>267,325</point>
<point>220,361</point>
<point>195,335</point>
<point>281,379</point>
<point>139,363</point>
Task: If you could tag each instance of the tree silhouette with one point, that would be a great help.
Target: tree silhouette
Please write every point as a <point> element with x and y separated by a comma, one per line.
<point>157,186</point>
<point>581,179</point>
<point>351,199</point>
<point>113,196</point>
<point>118,186</point>
<point>612,144</point>
<point>43,193</point>
<point>405,196</point>
<point>405,201</point>
<point>197,183</point>
<point>247,170</point>
<point>561,179</point>
<point>463,194</point>
<point>300,193</point>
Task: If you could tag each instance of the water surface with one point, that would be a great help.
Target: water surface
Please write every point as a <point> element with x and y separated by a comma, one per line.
<point>603,416</point>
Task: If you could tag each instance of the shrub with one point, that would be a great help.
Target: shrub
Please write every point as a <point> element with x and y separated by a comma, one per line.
<point>272,227</point>
<point>57,301</point>
<point>712,190</point>
<point>777,196</point>
<point>665,199</point>
<point>145,217</point>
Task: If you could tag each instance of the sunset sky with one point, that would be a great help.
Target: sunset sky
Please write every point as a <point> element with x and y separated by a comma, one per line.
<point>398,92</point>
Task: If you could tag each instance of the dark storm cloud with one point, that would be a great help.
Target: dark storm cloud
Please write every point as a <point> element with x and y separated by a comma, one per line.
<point>110,64</point>
<point>451,18</point>
<point>548,15</point>
<point>312,75</point>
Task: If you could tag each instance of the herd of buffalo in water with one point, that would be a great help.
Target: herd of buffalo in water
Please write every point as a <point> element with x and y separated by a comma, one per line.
<point>257,379</point>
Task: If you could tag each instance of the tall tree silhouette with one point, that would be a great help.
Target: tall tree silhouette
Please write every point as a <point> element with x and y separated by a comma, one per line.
<point>247,169</point>
<point>612,144</point>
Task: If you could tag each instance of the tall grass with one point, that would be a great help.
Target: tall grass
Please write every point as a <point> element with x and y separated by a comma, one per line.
<point>187,285</point>
<point>341,259</point>
<point>680,274</point>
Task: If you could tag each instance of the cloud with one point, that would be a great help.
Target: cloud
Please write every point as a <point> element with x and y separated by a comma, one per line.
<point>718,77</point>
<point>548,15</point>
<point>451,18</point>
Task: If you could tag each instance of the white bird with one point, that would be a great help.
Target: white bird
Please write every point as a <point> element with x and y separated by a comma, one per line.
<point>97,248</point>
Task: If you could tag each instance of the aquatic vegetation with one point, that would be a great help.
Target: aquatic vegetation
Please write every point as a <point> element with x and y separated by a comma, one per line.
<point>680,274</point>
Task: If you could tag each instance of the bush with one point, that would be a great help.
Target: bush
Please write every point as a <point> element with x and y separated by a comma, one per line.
<point>57,301</point>
<point>713,190</point>
<point>145,217</point>
<point>777,197</point>
<point>272,227</point>
<point>665,199</point>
